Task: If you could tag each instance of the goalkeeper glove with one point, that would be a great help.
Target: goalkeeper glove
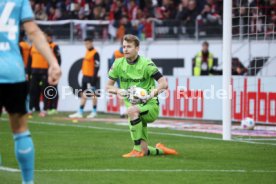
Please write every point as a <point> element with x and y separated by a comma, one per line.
<point>146,98</point>
<point>123,93</point>
<point>134,100</point>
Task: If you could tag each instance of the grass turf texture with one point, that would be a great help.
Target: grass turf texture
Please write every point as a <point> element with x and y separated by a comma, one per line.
<point>79,154</point>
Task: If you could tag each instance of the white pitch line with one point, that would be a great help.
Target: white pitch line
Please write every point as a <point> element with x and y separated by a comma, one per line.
<point>156,133</point>
<point>259,139</point>
<point>253,142</point>
<point>138,170</point>
<point>263,171</point>
<point>8,169</point>
<point>120,130</point>
<point>156,170</point>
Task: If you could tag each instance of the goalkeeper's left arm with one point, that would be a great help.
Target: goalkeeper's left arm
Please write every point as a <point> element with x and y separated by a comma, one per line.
<point>154,73</point>
<point>161,87</point>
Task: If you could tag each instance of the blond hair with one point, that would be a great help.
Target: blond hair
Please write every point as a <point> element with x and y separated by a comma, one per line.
<point>132,38</point>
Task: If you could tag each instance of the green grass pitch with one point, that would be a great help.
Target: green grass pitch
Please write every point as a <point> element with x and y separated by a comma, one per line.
<point>90,152</point>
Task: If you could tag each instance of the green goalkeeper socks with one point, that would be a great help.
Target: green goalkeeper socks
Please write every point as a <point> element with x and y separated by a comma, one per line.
<point>137,148</point>
<point>138,133</point>
<point>151,150</point>
<point>154,151</point>
<point>136,128</point>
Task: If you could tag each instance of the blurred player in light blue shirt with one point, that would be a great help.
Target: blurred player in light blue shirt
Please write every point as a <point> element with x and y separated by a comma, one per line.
<point>13,85</point>
<point>11,64</point>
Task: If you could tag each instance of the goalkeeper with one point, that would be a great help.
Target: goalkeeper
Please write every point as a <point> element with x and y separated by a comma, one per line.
<point>134,70</point>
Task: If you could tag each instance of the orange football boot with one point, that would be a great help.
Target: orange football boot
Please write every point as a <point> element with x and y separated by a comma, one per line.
<point>167,151</point>
<point>133,153</point>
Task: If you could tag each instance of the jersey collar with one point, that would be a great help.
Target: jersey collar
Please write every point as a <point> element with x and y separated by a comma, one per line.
<point>135,61</point>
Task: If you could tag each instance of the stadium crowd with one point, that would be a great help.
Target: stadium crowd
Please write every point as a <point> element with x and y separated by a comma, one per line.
<point>136,16</point>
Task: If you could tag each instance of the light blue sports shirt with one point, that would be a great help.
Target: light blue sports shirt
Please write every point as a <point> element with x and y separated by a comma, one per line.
<point>12,14</point>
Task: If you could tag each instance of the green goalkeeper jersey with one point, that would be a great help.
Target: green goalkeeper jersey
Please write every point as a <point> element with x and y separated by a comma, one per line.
<point>139,73</point>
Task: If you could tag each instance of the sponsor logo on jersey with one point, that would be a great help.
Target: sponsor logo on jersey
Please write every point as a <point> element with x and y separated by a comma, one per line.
<point>132,80</point>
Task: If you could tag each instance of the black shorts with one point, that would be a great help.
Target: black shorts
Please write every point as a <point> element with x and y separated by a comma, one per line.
<point>89,86</point>
<point>86,83</point>
<point>13,97</point>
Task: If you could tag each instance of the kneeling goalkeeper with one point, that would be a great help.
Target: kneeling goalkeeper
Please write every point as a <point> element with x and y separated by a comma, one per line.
<point>134,70</point>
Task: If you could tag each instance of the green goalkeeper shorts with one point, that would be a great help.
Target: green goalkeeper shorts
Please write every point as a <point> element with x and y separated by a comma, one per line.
<point>149,111</point>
